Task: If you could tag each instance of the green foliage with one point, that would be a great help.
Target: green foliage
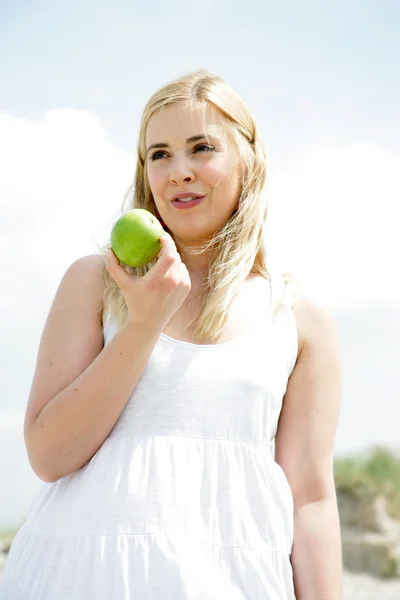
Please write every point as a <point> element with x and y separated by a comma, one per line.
<point>6,537</point>
<point>376,472</point>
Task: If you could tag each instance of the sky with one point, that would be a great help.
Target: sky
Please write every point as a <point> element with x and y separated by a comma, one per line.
<point>323,83</point>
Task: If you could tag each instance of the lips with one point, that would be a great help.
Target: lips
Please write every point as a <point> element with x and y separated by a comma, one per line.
<point>189,203</point>
<point>181,195</point>
<point>187,198</point>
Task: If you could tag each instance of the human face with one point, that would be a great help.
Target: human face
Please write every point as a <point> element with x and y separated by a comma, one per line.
<point>205,166</point>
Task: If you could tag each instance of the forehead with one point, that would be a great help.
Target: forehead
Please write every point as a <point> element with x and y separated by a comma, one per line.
<point>179,122</point>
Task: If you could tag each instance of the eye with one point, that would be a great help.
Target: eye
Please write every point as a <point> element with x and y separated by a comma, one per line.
<point>206,147</point>
<point>199,147</point>
<point>154,156</point>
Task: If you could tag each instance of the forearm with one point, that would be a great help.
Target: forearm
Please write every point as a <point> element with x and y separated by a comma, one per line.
<point>74,424</point>
<point>317,551</point>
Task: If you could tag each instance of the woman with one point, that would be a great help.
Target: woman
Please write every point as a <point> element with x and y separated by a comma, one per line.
<point>159,392</point>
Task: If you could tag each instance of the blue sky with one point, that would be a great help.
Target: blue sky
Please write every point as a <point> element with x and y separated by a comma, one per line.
<point>323,82</point>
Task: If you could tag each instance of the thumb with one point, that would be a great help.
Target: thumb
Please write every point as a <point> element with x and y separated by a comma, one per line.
<point>117,271</point>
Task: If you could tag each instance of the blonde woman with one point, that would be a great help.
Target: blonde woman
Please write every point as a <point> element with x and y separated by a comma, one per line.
<point>182,415</point>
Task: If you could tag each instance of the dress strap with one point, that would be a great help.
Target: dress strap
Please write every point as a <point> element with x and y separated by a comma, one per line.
<point>284,290</point>
<point>106,322</point>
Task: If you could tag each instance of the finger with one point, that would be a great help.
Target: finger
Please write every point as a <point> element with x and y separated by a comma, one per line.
<point>116,271</point>
<point>167,257</point>
<point>166,242</point>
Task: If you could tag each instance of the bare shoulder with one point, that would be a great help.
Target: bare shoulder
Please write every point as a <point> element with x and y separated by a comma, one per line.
<point>312,317</point>
<point>87,275</point>
<point>91,263</point>
<point>84,280</point>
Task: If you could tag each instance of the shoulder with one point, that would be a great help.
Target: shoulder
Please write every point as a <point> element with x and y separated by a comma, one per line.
<point>91,264</point>
<point>85,276</point>
<point>314,320</point>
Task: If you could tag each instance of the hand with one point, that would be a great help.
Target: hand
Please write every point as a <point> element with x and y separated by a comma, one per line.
<point>155,297</point>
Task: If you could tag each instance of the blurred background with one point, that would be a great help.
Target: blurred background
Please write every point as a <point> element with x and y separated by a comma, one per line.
<point>322,80</point>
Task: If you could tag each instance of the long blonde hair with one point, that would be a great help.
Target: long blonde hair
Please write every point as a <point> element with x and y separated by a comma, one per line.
<point>238,248</point>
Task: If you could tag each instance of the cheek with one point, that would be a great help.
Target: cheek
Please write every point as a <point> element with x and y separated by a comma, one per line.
<point>155,179</point>
<point>215,173</point>
<point>223,177</point>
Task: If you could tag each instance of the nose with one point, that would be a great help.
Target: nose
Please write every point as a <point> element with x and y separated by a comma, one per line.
<point>181,171</point>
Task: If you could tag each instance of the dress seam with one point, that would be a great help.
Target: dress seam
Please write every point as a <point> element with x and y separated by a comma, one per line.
<point>37,529</point>
<point>193,437</point>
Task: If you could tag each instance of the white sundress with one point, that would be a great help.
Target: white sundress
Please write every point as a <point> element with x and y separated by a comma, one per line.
<point>183,500</point>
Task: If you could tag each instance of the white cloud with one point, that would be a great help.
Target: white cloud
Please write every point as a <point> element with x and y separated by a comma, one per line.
<point>62,186</point>
<point>62,183</point>
<point>334,222</point>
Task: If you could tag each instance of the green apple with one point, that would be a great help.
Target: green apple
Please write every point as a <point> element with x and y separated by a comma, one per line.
<point>135,237</point>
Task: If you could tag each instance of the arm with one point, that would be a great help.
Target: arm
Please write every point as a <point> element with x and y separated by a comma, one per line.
<point>79,388</point>
<point>304,449</point>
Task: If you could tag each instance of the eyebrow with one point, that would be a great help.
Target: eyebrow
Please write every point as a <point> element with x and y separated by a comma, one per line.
<point>194,138</point>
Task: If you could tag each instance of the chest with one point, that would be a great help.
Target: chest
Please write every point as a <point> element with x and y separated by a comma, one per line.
<point>247,313</point>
